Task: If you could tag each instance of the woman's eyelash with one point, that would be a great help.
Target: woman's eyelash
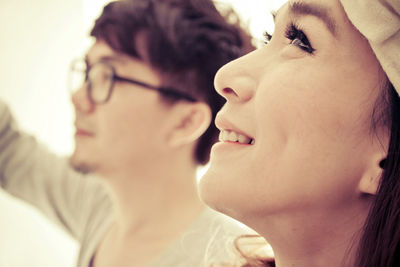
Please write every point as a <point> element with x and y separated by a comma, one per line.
<point>298,38</point>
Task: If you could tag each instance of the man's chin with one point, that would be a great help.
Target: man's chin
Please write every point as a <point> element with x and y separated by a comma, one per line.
<point>80,166</point>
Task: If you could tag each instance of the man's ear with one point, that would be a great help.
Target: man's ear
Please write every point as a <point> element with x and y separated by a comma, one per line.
<point>190,121</point>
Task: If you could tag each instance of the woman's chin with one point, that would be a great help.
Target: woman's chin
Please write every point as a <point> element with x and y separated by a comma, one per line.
<point>210,190</point>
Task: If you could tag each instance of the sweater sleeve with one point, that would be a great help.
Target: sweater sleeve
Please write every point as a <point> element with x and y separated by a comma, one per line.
<point>30,172</point>
<point>379,22</point>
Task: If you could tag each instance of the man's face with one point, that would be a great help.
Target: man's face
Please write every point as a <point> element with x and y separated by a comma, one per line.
<point>128,129</point>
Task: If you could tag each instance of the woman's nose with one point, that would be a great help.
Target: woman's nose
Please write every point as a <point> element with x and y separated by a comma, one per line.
<point>81,101</point>
<point>234,80</point>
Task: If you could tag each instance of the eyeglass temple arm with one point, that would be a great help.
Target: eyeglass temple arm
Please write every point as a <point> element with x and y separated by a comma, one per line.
<point>170,91</point>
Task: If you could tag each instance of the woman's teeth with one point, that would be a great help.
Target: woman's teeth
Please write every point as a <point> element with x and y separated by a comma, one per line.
<point>227,135</point>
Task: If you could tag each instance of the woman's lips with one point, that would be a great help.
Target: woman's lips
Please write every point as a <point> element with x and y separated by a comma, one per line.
<point>235,137</point>
<point>230,133</point>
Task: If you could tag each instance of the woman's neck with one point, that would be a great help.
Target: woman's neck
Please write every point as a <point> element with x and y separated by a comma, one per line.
<point>310,239</point>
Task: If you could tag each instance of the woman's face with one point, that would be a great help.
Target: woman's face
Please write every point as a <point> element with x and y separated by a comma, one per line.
<point>303,105</point>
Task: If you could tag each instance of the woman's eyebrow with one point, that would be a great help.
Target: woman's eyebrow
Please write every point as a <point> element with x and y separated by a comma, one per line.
<point>318,11</point>
<point>304,9</point>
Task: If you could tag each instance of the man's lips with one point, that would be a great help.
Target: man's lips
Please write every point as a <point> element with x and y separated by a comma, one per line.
<point>81,132</point>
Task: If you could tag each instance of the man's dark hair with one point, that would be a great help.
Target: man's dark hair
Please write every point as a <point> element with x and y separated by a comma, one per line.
<point>187,41</point>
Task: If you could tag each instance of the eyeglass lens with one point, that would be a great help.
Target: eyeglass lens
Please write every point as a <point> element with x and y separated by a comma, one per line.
<point>77,76</point>
<point>99,80</point>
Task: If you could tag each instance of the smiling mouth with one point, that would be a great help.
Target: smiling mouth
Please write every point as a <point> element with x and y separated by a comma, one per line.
<point>232,136</point>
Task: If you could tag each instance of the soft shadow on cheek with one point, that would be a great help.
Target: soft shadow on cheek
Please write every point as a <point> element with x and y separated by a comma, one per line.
<point>275,117</point>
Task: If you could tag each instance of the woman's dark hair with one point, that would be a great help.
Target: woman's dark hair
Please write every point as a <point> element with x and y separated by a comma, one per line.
<point>380,242</point>
<point>187,41</point>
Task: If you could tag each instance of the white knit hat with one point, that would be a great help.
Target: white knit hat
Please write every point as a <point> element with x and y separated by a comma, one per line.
<point>379,22</point>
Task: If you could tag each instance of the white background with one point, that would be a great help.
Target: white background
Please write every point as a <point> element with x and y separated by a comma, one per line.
<point>38,40</point>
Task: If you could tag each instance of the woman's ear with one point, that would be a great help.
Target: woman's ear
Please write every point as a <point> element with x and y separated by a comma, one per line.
<point>371,179</point>
<point>190,121</point>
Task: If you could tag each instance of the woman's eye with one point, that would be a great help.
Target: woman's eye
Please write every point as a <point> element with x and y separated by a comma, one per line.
<point>298,38</point>
<point>267,37</point>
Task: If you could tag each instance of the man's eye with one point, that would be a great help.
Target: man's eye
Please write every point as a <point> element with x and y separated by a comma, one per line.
<point>267,37</point>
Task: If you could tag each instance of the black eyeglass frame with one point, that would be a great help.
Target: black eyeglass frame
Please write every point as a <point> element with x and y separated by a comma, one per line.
<point>167,91</point>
